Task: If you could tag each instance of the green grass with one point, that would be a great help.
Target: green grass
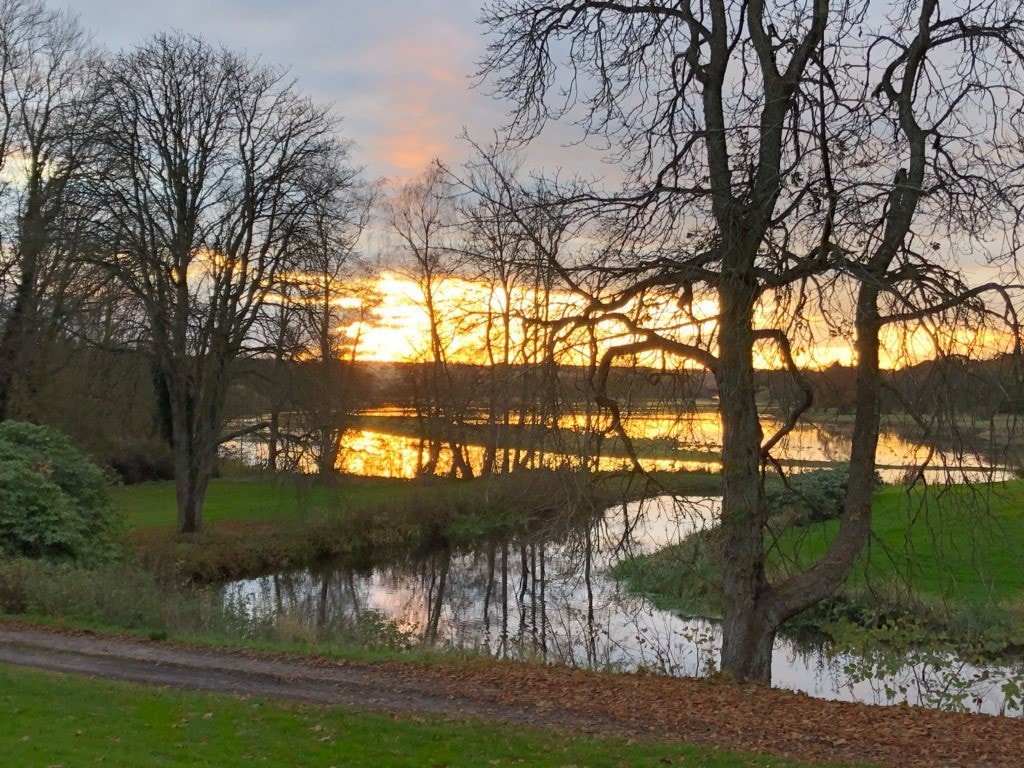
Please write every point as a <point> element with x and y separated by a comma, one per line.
<point>959,543</point>
<point>253,498</point>
<point>684,578</point>
<point>52,719</point>
<point>952,557</point>
<point>266,498</point>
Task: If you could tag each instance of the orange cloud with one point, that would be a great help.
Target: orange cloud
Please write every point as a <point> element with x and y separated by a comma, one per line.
<point>423,103</point>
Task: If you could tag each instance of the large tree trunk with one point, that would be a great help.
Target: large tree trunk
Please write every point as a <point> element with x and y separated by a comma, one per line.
<point>748,629</point>
<point>196,431</point>
<point>191,480</point>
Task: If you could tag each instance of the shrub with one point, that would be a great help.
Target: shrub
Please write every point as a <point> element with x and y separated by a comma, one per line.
<point>54,502</point>
<point>142,462</point>
<point>812,497</point>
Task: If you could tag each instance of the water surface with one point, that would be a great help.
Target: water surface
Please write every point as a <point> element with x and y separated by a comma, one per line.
<point>548,596</point>
<point>696,436</point>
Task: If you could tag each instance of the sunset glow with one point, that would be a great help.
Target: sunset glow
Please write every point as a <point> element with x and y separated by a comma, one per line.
<point>397,329</point>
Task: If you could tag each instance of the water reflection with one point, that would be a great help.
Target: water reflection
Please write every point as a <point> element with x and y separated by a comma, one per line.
<point>548,596</point>
<point>689,441</point>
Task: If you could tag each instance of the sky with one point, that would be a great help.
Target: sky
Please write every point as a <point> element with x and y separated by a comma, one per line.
<point>397,71</point>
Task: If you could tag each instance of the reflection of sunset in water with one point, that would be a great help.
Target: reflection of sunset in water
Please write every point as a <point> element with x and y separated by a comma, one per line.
<point>551,597</point>
<point>377,453</point>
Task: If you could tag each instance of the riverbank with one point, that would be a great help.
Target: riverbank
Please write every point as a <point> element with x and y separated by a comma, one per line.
<point>943,564</point>
<point>542,593</point>
<point>255,524</point>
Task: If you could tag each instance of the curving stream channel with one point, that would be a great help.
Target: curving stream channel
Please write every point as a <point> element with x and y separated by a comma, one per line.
<point>549,597</point>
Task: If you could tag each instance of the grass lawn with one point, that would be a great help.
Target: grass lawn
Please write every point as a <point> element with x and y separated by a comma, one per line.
<point>52,719</point>
<point>268,498</point>
<point>960,543</point>
<point>254,498</point>
<point>953,556</point>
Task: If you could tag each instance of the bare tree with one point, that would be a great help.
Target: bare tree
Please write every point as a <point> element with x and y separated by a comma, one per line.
<point>516,236</point>
<point>207,171</point>
<point>330,302</point>
<point>305,342</point>
<point>494,248</point>
<point>45,61</point>
<point>421,215</point>
<point>791,161</point>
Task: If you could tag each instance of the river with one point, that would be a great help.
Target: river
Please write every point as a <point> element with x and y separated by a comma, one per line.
<point>549,597</point>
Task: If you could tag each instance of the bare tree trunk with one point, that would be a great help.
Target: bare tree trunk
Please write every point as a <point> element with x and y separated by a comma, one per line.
<point>196,423</point>
<point>18,330</point>
<point>273,439</point>
<point>15,335</point>
<point>748,634</point>
<point>823,578</point>
<point>191,479</point>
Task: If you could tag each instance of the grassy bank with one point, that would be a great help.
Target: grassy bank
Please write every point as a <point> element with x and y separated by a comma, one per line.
<point>256,524</point>
<point>257,497</point>
<point>63,720</point>
<point>951,558</point>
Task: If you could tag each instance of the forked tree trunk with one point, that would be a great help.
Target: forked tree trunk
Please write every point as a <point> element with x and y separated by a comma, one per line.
<point>754,610</point>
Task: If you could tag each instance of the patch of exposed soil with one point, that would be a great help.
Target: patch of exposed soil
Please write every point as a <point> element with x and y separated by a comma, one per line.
<point>679,709</point>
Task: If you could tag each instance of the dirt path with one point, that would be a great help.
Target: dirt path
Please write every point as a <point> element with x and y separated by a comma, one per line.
<point>695,711</point>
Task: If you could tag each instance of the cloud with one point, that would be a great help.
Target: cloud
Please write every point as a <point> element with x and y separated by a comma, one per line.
<point>395,70</point>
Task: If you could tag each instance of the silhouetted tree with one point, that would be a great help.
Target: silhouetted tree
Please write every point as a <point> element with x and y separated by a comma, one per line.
<point>45,64</point>
<point>421,215</point>
<point>208,168</point>
<point>807,166</point>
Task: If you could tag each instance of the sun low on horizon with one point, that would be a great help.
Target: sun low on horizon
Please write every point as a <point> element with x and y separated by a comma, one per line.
<point>395,327</point>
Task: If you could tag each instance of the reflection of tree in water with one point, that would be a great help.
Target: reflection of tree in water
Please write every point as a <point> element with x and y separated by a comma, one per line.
<point>545,595</point>
<point>904,443</point>
<point>542,595</point>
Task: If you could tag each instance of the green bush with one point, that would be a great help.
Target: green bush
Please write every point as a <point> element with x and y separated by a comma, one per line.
<point>810,497</point>
<point>54,502</point>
